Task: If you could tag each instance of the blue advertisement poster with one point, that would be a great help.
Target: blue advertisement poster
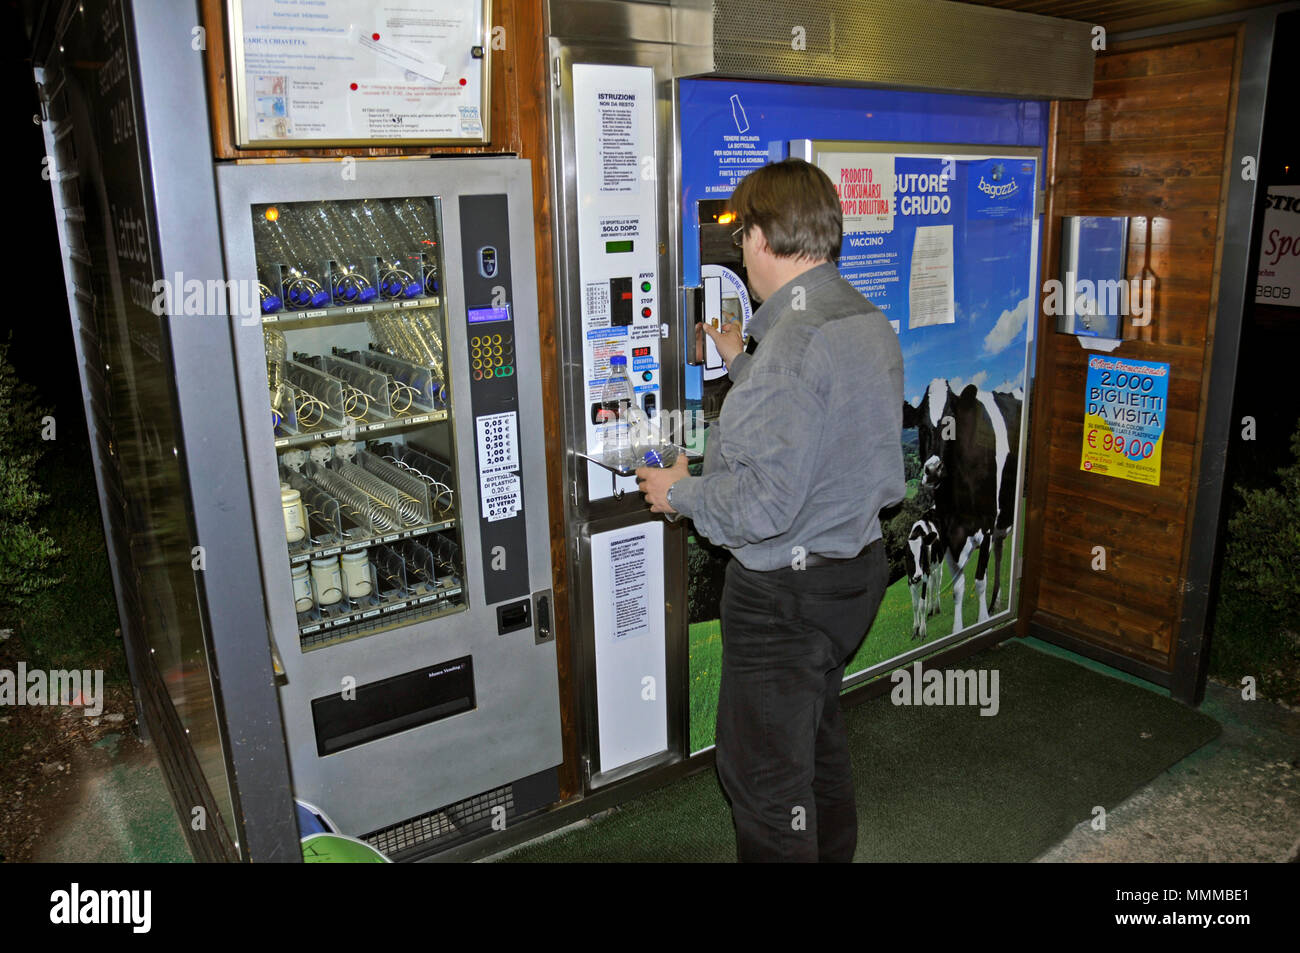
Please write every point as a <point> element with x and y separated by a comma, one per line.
<point>1124,418</point>
<point>941,234</point>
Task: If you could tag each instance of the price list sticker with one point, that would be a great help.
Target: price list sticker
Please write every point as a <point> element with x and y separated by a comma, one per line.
<point>498,459</point>
<point>498,442</point>
<point>501,496</point>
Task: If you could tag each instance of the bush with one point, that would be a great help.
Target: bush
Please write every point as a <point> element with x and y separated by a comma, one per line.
<point>1263,548</point>
<point>706,569</point>
<point>26,552</point>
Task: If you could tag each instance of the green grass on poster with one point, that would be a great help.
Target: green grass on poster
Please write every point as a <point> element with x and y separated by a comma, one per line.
<point>890,637</point>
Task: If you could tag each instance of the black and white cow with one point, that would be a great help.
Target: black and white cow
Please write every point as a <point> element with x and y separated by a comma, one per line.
<point>968,445</point>
<point>924,559</point>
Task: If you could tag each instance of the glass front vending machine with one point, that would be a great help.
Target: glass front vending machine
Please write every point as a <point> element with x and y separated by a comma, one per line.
<point>391,390</point>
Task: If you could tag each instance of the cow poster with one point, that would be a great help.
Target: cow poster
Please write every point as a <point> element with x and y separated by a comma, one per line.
<point>964,220</point>
<point>1124,418</point>
<point>943,238</point>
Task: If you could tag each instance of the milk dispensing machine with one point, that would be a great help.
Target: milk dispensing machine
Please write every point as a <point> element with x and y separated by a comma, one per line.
<point>398,474</point>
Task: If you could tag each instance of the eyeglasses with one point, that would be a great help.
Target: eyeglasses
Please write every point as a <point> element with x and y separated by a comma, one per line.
<point>738,237</point>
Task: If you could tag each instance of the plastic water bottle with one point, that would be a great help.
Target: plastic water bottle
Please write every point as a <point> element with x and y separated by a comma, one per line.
<point>617,399</point>
<point>274,246</point>
<point>349,284</point>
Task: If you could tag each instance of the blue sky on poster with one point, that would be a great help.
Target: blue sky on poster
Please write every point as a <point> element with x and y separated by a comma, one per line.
<point>986,344</point>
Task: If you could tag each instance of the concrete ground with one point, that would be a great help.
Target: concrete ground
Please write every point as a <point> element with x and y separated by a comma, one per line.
<point>118,811</point>
<point>1237,799</point>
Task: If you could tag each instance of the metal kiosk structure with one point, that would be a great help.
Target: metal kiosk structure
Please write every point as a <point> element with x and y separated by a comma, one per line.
<point>314,402</point>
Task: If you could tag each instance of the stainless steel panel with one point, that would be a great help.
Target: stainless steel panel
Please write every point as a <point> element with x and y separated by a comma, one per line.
<point>644,21</point>
<point>581,516</point>
<point>907,44</point>
<point>676,662</point>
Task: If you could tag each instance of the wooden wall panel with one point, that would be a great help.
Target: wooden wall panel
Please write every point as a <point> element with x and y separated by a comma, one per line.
<point>519,126</point>
<point>1152,144</point>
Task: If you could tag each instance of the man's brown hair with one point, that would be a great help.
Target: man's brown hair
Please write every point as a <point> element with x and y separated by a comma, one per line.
<point>796,206</point>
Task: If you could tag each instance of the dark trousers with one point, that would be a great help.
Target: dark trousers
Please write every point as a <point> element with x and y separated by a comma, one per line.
<point>782,749</point>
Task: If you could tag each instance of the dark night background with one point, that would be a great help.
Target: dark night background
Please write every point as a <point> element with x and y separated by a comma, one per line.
<point>42,350</point>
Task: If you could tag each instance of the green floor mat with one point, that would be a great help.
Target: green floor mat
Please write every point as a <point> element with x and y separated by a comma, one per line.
<point>943,783</point>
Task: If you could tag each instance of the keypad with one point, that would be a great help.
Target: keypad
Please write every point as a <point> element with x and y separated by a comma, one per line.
<point>492,355</point>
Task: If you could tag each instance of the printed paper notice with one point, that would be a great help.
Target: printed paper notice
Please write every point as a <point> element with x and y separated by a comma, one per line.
<point>630,592</point>
<point>865,185</point>
<point>627,593</point>
<point>930,293</point>
<point>618,141</point>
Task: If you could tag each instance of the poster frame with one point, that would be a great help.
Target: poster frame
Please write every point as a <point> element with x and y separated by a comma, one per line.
<point>238,86</point>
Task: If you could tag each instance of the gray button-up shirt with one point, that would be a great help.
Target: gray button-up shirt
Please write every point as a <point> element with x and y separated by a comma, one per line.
<point>808,446</point>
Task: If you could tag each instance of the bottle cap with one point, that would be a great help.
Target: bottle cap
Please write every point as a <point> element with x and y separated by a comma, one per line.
<point>618,360</point>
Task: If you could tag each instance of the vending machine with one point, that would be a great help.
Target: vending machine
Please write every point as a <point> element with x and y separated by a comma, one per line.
<point>394,445</point>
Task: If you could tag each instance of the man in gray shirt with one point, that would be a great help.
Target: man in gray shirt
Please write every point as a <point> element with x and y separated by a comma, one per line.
<point>805,452</point>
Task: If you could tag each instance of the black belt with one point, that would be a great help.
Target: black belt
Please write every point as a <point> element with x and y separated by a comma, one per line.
<point>815,560</point>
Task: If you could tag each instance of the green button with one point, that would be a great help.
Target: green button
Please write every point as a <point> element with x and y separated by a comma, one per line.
<point>645,286</point>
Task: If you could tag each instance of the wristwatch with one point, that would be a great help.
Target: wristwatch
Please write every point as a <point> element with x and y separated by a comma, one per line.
<point>669,495</point>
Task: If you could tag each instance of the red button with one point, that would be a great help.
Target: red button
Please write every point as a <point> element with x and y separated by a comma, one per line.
<point>645,312</point>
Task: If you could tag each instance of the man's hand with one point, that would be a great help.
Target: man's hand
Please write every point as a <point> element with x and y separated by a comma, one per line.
<point>728,341</point>
<point>655,481</point>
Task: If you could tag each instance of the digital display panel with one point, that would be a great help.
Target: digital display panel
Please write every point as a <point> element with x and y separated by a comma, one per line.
<point>640,352</point>
<point>487,315</point>
<point>612,248</point>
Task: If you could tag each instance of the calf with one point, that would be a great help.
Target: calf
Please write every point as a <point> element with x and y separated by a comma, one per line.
<point>924,559</point>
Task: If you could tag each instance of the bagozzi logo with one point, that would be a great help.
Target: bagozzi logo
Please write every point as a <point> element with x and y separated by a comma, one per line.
<point>997,189</point>
<point>102,907</point>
